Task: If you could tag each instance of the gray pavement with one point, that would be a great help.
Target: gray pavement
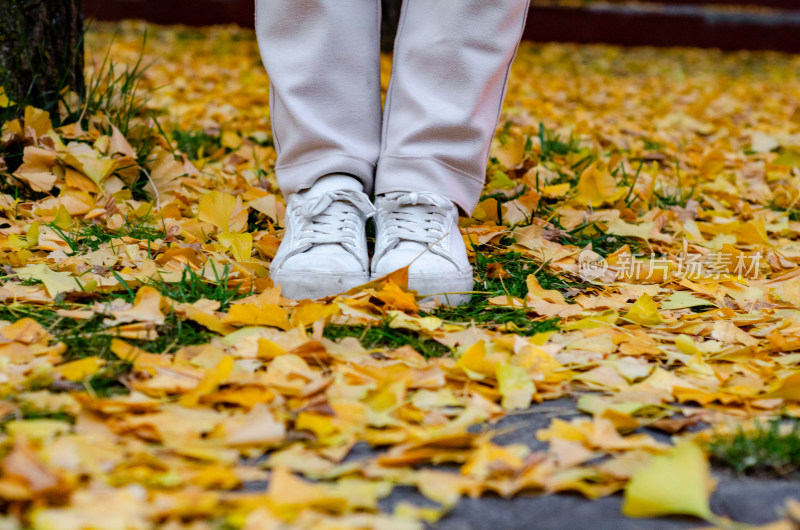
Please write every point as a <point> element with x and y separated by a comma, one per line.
<point>743,499</point>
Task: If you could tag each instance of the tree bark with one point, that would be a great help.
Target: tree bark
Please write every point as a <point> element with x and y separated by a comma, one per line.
<point>41,50</point>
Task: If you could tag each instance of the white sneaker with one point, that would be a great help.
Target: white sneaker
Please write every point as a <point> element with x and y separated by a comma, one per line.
<point>421,229</point>
<point>324,247</point>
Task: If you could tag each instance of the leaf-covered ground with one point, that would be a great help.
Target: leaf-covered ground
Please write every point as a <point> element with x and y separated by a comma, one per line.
<point>637,249</point>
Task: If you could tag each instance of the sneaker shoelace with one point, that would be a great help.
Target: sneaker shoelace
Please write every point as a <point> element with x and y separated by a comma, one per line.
<point>416,217</point>
<point>333,218</point>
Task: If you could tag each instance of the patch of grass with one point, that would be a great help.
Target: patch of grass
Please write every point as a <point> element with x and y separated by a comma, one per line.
<point>385,337</point>
<point>115,92</point>
<point>176,333</point>
<point>28,412</point>
<point>602,242</point>
<point>497,274</point>
<point>773,447</point>
<point>503,198</point>
<point>501,318</point>
<point>82,337</point>
<point>676,197</point>
<point>552,144</point>
<point>108,381</point>
<point>793,213</point>
<point>193,287</point>
<point>91,337</point>
<point>196,144</point>
<point>87,237</point>
<point>650,145</point>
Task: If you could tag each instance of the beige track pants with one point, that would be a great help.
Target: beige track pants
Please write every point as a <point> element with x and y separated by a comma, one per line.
<point>451,63</point>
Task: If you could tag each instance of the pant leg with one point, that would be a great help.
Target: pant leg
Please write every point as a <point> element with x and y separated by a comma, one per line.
<point>451,64</point>
<point>322,58</point>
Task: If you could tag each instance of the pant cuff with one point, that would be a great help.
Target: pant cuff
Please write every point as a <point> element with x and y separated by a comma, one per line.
<point>397,173</point>
<point>302,175</point>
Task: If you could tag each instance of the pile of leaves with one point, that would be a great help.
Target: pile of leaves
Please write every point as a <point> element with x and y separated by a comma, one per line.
<point>636,248</point>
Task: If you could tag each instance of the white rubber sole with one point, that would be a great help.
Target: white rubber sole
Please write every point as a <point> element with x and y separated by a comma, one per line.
<point>313,285</point>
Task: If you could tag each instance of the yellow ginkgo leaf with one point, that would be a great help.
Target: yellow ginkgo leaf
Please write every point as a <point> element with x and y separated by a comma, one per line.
<point>789,388</point>
<point>37,168</point>
<point>258,315</point>
<point>223,211</point>
<point>789,158</point>
<point>80,369</point>
<point>32,234</point>
<point>4,101</point>
<point>231,140</point>
<point>597,187</point>
<point>306,313</point>
<point>55,282</point>
<point>683,299</point>
<point>515,385</point>
<point>88,161</point>
<point>644,312</point>
<point>474,363</point>
<point>63,219</point>
<point>38,120</point>
<point>240,245</point>
<point>678,483</point>
<point>210,382</point>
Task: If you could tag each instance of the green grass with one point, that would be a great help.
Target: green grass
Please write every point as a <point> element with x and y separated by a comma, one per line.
<point>176,333</point>
<point>28,412</point>
<point>88,236</point>
<point>82,337</point>
<point>591,233</point>
<point>518,268</point>
<point>793,213</point>
<point>651,145</point>
<point>664,198</point>
<point>503,198</point>
<point>517,321</point>
<point>196,144</point>
<point>193,287</point>
<point>773,448</point>
<point>109,380</point>
<point>487,285</point>
<point>383,336</point>
<point>676,197</point>
<point>477,311</point>
<point>552,144</point>
<point>91,337</point>
<point>115,91</point>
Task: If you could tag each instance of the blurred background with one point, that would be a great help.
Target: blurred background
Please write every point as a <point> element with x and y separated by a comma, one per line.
<point>725,24</point>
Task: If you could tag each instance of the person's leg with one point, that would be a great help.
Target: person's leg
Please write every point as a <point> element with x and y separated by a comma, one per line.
<point>322,58</point>
<point>451,63</point>
<point>450,69</point>
<point>324,67</point>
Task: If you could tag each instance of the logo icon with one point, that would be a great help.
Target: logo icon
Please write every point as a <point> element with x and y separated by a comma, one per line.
<point>591,266</point>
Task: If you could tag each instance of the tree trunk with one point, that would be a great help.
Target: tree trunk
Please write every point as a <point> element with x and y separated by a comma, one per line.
<point>41,50</point>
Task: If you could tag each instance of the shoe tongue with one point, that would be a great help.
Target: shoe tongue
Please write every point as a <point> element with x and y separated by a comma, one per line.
<point>411,246</point>
<point>330,183</point>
